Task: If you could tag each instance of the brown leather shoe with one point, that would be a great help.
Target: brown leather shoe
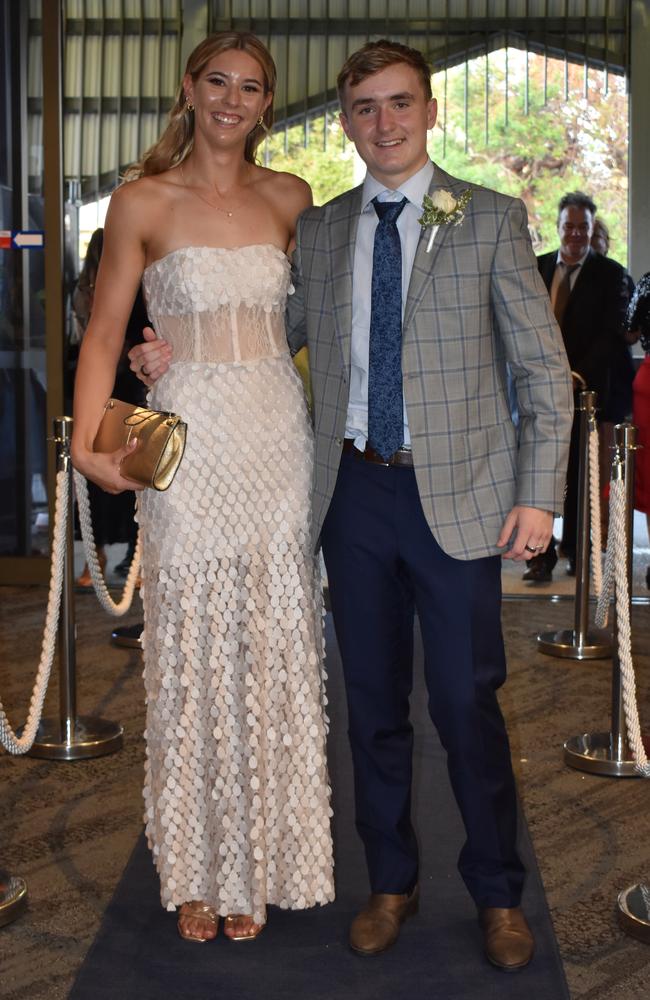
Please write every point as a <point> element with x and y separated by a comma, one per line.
<point>376,928</point>
<point>507,937</point>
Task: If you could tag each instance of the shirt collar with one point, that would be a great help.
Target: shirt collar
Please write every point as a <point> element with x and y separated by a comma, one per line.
<point>579,263</point>
<point>414,188</point>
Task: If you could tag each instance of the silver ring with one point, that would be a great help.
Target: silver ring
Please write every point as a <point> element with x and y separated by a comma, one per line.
<point>146,373</point>
<point>531,548</point>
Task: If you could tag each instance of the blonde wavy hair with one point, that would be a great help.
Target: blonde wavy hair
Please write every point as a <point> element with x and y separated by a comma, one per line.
<point>176,142</point>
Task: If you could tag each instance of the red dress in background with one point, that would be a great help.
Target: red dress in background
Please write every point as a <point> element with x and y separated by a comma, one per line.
<point>641,419</point>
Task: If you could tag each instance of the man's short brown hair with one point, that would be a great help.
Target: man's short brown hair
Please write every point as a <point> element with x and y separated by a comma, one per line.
<point>375,56</point>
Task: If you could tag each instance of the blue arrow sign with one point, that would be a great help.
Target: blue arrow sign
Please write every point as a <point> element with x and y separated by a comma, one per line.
<point>22,239</point>
<point>28,239</point>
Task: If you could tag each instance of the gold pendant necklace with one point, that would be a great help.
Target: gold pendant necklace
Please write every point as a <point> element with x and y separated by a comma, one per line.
<point>224,211</point>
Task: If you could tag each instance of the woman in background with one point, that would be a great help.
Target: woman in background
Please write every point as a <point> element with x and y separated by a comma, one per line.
<point>638,325</point>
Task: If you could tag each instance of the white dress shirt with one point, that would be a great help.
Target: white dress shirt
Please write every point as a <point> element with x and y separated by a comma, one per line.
<point>559,272</point>
<point>414,189</point>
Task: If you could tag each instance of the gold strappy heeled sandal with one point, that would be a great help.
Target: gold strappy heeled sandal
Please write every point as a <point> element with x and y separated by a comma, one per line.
<point>229,921</point>
<point>195,910</point>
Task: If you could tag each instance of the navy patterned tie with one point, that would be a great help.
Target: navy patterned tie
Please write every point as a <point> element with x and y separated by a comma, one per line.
<point>385,399</point>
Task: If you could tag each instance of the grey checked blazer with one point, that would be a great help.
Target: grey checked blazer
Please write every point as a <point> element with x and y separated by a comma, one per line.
<point>476,303</point>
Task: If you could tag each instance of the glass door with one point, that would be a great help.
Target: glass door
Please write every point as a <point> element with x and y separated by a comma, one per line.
<point>24,535</point>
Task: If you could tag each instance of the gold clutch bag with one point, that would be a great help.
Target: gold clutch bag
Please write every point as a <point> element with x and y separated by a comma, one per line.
<point>161,442</point>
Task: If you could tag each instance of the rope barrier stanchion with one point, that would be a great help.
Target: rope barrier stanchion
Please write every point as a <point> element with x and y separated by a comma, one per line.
<point>581,642</point>
<point>128,636</point>
<point>21,741</point>
<point>620,753</point>
<point>71,737</point>
<point>13,897</point>
<point>634,911</point>
<point>633,903</point>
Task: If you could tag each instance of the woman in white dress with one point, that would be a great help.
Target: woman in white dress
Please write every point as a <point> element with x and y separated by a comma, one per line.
<point>236,789</point>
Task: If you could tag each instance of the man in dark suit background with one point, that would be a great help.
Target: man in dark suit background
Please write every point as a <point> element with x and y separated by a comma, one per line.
<point>589,295</point>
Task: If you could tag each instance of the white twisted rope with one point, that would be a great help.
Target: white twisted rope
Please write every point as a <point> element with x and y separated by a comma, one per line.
<point>594,507</point>
<point>8,738</point>
<point>615,527</point>
<point>85,520</point>
<point>615,580</point>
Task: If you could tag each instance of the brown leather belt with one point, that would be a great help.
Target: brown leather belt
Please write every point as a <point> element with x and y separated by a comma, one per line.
<point>403,456</point>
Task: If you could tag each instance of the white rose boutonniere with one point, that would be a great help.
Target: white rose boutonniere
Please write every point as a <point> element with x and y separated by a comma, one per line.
<point>442,209</point>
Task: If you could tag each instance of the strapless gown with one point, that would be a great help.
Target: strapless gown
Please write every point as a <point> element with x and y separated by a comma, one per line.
<point>236,788</point>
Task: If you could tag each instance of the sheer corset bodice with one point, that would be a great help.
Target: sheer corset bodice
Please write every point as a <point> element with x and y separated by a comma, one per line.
<point>218,304</point>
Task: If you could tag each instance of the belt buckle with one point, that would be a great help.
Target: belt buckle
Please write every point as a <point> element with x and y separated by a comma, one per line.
<point>370,455</point>
<point>403,453</point>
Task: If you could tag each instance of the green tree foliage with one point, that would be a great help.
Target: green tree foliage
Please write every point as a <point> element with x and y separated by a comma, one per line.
<point>329,168</point>
<point>537,149</point>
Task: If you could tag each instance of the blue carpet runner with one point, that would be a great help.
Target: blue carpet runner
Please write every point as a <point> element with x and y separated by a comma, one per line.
<point>138,954</point>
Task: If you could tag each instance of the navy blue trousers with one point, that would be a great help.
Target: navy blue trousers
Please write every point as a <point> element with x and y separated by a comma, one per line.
<point>383,563</point>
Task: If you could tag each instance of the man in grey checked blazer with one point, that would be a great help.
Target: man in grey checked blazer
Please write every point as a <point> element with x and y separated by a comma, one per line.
<point>427,528</point>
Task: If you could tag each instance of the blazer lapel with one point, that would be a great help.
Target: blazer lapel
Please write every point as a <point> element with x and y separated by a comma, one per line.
<point>342,230</point>
<point>424,262</point>
<point>585,271</point>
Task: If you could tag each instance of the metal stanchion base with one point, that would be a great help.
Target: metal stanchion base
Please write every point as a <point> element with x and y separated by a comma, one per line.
<point>128,635</point>
<point>13,897</point>
<point>596,645</point>
<point>633,914</point>
<point>594,752</point>
<point>92,737</point>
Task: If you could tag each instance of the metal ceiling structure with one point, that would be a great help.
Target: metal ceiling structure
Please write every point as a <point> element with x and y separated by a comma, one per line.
<point>310,40</point>
<point>123,58</point>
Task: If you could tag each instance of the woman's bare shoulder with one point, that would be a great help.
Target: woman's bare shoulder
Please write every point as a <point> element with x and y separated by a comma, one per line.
<point>152,187</point>
<point>140,204</point>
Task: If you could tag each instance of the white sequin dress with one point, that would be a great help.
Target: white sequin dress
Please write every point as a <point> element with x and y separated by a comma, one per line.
<point>236,787</point>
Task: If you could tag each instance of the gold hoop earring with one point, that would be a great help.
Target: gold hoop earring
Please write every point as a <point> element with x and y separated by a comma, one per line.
<point>189,106</point>
<point>260,120</point>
